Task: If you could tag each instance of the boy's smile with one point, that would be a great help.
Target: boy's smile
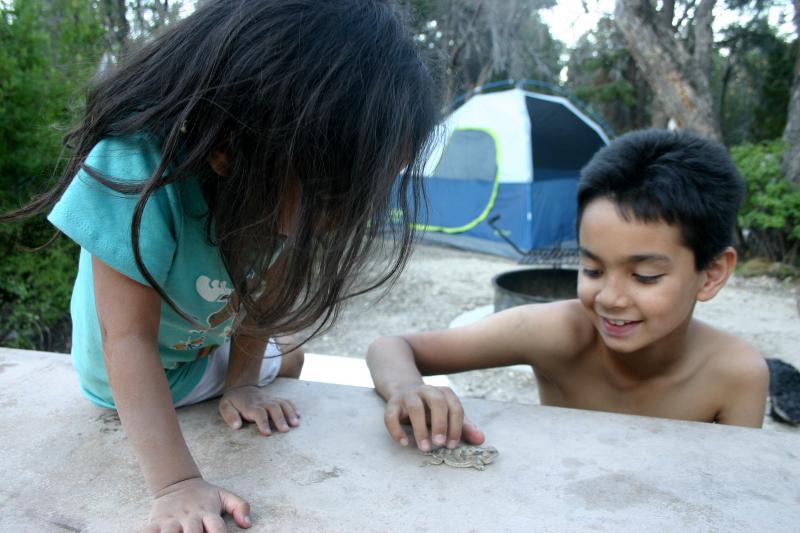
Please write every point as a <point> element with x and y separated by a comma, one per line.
<point>638,281</point>
<point>619,328</point>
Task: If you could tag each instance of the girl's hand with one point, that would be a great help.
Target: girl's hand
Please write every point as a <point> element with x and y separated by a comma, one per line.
<point>447,423</point>
<point>254,405</point>
<point>195,506</point>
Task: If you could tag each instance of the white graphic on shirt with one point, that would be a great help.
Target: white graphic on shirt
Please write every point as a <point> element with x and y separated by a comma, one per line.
<point>189,344</point>
<point>213,290</point>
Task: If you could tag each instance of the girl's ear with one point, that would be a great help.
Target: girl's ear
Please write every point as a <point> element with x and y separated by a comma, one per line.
<point>716,274</point>
<point>220,161</point>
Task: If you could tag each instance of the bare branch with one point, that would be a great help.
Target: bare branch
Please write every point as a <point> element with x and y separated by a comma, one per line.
<point>703,37</point>
<point>689,7</point>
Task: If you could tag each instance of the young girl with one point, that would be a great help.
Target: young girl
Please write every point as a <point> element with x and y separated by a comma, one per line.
<point>229,182</point>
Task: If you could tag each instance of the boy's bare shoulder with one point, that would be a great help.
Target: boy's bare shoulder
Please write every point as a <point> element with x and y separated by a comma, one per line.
<point>732,359</point>
<point>736,376</point>
<point>561,329</point>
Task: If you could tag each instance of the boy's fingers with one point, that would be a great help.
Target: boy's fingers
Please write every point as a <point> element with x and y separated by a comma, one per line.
<point>438,408</point>
<point>230,414</point>
<point>214,524</point>
<point>236,507</point>
<point>419,422</point>
<point>471,434</point>
<point>404,416</point>
<point>391,418</point>
<point>455,422</point>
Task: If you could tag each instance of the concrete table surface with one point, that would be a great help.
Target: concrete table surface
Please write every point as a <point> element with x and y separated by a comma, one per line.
<point>66,466</point>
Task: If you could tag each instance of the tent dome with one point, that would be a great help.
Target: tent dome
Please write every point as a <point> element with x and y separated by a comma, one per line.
<point>514,157</point>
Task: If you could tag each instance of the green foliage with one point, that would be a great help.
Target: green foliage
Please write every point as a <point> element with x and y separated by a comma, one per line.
<point>35,294</point>
<point>602,72</point>
<point>771,209</point>
<point>772,109</point>
<point>753,80</point>
<point>46,49</point>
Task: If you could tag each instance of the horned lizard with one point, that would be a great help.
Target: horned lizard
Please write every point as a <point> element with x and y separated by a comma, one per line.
<point>464,456</point>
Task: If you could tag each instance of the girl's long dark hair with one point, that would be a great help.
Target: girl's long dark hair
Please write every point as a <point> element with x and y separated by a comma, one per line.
<point>330,95</point>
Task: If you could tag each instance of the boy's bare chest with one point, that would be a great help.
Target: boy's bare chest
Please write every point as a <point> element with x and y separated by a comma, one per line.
<point>586,389</point>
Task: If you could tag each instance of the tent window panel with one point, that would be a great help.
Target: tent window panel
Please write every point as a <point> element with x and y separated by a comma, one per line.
<point>560,139</point>
<point>470,155</point>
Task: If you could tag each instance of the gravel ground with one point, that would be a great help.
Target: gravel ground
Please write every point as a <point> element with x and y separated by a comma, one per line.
<point>441,284</point>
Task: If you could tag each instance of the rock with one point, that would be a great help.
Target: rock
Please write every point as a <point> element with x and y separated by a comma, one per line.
<point>784,392</point>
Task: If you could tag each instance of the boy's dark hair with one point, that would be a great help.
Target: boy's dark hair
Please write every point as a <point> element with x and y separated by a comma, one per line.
<point>673,177</point>
<point>328,94</point>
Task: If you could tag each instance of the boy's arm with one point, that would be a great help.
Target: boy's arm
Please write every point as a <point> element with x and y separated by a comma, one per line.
<point>537,335</point>
<point>129,315</point>
<point>528,334</point>
<point>747,385</point>
<point>397,380</point>
<point>398,363</point>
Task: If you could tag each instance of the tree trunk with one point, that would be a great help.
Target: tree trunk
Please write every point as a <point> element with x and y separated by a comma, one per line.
<point>117,26</point>
<point>679,80</point>
<point>791,157</point>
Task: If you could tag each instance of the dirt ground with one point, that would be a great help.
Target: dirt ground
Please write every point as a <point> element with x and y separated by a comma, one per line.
<point>442,283</point>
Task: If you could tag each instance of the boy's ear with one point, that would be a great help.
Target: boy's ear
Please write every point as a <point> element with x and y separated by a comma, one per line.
<point>716,274</point>
<point>220,161</point>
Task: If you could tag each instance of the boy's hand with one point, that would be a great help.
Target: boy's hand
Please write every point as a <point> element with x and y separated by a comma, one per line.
<point>447,423</point>
<point>194,506</point>
<point>254,405</point>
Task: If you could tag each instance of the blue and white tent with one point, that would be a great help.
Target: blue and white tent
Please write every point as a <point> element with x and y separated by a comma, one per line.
<point>511,158</point>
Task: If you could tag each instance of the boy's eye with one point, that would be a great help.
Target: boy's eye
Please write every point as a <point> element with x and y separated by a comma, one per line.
<point>590,272</point>
<point>647,279</point>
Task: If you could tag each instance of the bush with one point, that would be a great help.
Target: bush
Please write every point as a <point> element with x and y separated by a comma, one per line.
<point>35,292</point>
<point>770,213</point>
<point>46,48</point>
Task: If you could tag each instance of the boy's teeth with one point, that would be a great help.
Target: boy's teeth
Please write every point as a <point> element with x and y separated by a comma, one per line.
<point>618,322</point>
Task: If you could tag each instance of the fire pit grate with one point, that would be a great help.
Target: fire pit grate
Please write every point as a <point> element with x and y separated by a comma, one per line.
<point>555,256</point>
<point>533,285</point>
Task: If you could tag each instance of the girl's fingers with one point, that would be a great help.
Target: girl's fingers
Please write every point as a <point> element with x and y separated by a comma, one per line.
<point>172,526</point>
<point>261,419</point>
<point>275,411</point>
<point>294,407</point>
<point>192,525</point>
<point>230,414</point>
<point>214,524</point>
<point>391,418</point>
<point>290,412</point>
<point>236,507</point>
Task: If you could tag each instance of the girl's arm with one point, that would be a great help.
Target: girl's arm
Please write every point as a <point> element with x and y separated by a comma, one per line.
<point>129,315</point>
<point>244,399</point>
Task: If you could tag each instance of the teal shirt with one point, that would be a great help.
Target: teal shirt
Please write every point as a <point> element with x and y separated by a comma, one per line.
<point>173,247</point>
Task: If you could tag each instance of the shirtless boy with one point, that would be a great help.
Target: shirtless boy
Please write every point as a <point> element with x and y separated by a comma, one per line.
<point>656,215</point>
